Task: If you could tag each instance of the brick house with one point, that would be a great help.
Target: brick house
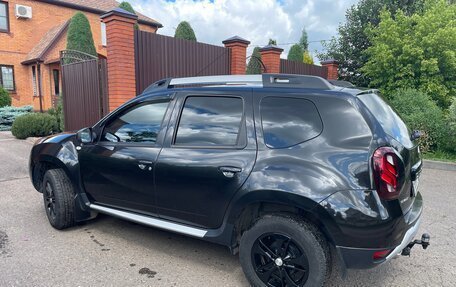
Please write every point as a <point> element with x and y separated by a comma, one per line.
<point>30,44</point>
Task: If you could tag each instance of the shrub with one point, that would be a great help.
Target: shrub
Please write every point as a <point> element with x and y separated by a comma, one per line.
<point>57,113</point>
<point>420,112</point>
<point>9,114</point>
<point>79,35</point>
<point>34,125</point>
<point>5,99</point>
<point>450,142</point>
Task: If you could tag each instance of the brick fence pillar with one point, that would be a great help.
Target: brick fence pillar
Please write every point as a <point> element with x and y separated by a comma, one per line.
<point>270,55</point>
<point>332,66</point>
<point>120,56</point>
<point>238,48</point>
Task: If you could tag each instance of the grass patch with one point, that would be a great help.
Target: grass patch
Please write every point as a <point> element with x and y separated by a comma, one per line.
<point>440,156</point>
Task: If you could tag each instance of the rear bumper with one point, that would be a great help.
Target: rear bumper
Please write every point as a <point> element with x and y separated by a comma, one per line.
<point>363,258</point>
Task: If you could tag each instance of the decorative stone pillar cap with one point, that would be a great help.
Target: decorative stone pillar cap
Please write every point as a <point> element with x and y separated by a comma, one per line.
<point>329,62</point>
<point>271,47</point>
<point>119,12</point>
<point>236,39</point>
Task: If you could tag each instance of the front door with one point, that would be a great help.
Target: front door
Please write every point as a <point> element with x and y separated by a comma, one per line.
<point>118,169</point>
<point>208,153</point>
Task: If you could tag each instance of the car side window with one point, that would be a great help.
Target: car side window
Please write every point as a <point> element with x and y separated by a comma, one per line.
<point>210,121</point>
<point>288,121</point>
<point>139,124</point>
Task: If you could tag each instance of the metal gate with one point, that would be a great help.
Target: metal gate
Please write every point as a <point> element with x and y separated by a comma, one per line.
<point>158,56</point>
<point>84,87</point>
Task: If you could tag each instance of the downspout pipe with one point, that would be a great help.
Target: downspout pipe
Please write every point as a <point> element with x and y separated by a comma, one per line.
<point>38,69</point>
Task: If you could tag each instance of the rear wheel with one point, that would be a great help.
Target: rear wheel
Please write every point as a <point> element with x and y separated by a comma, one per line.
<point>58,198</point>
<point>284,251</point>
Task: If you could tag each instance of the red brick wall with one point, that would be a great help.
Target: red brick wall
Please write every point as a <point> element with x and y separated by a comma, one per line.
<point>238,58</point>
<point>271,60</point>
<point>26,33</point>
<point>332,66</point>
<point>121,59</point>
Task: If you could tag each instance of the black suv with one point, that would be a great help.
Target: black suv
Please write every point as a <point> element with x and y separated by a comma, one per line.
<point>290,171</point>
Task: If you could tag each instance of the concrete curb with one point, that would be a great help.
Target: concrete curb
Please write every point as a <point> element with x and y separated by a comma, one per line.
<point>433,164</point>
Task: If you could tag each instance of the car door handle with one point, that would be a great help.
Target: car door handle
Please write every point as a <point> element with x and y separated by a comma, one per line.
<point>145,165</point>
<point>229,171</point>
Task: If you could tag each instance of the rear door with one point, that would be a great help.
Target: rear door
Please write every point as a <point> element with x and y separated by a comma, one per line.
<point>209,151</point>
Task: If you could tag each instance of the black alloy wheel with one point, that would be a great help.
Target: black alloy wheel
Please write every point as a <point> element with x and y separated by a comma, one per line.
<point>279,261</point>
<point>49,200</point>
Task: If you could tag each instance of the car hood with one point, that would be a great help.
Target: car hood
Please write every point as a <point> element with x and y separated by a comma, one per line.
<point>57,138</point>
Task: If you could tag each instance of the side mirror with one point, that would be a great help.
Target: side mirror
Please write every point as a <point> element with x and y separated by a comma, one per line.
<point>85,135</point>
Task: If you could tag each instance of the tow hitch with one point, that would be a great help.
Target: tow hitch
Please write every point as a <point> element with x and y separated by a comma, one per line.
<point>424,242</point>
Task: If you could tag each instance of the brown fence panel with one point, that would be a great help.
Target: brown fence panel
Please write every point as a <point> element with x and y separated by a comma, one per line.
<point>293,67</point>
<point>159,56</point>
<point>84,93</point>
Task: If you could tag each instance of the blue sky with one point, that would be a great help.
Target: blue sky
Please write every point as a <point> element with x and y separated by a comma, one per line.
<point>256,21</point>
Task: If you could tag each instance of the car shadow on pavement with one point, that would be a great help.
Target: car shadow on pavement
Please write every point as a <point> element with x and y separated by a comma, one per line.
<point>191,251</point>
<point>172,247</point>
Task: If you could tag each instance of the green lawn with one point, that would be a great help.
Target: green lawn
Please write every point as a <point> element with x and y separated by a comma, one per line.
<point>440,156</point>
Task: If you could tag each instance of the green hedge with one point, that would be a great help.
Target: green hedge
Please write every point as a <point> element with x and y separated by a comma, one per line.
<point>34,125</point>
<point>9,114</point>
<point>420,112</point>
<point>5,98</point>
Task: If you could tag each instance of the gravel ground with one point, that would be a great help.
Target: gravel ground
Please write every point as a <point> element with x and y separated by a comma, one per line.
<point>111,252</point>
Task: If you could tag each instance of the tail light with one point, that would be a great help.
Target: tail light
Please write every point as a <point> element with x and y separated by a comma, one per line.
<point>386,173</point>
<point>378,255</point>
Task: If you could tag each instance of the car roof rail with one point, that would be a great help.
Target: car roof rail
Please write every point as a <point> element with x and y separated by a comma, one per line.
<point>368,91</point>
<point>265,80</point>
<point>296,81</point>
<point>343,84</point>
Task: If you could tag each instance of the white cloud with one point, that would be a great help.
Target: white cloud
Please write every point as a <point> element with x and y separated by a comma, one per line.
<point>256,21</point>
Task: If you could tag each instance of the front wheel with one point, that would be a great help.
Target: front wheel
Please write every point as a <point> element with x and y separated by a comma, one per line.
<point>58,198</point>
<point>281,251</point>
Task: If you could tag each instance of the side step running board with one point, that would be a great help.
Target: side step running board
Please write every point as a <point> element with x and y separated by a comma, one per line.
<point>154,222</point>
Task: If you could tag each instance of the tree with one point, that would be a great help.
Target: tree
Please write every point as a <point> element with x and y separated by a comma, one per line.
<point>415,51</point>
<point>272,42</point>
<point>307,58</point>
<point>185,31</point>
<point>79,36</point>
<point>348,48</point>
<point>303,41</point>
<point>254,66</point>
<point>295,53</point>
<point>127,7</point>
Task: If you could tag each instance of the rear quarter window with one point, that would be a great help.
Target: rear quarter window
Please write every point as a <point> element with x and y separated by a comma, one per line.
<point>289,121</point>
<point>390,121</point>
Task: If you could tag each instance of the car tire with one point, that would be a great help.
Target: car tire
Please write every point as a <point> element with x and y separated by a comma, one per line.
<point>305,261</point>
<point>58,196</point>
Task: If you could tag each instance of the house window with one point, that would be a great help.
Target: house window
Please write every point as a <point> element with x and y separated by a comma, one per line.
<point>34,81</point>
<point>103,34</point>
<point>56,73</point>
<point>4,21</point>
<point>7,77</point>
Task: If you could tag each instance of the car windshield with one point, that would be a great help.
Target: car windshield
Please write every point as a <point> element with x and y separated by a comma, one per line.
<point>390,121</point>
